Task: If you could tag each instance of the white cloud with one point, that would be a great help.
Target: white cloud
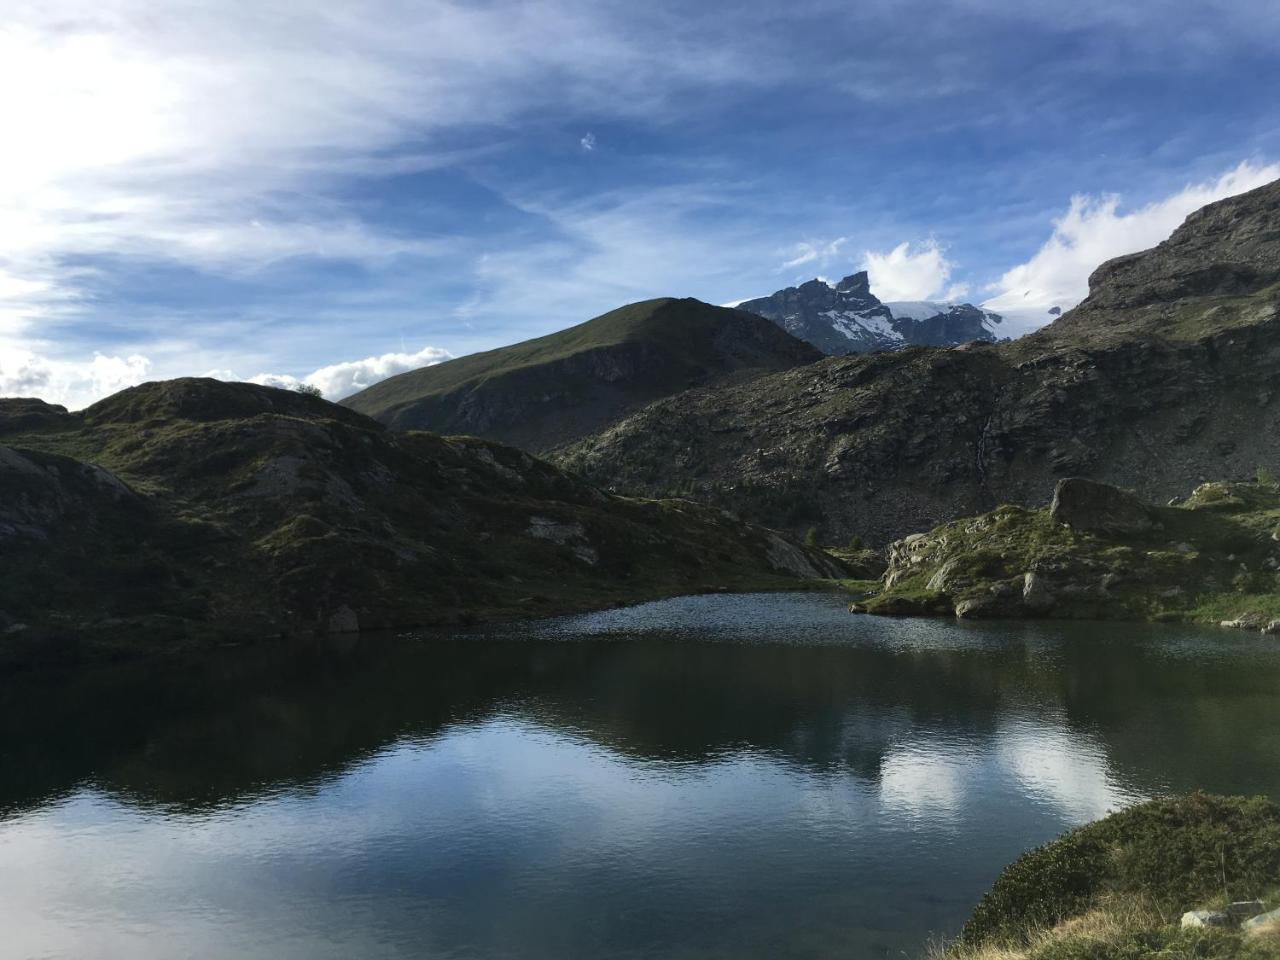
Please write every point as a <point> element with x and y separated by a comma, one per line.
<point>1093,230</point>
<point>73,383</point>
<point>340,380</point>
<point>819,253</point>
<point>908,272</point>
<point>588,142</point>
<point>78,383</point>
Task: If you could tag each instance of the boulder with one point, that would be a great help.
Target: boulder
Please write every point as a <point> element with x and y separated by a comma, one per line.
<point>1264,923</point>
<point>1272,627</point>
<point>1036,595</point>
<point>1244,908</point>
<point>1091,507</point>
<point>1205,918</point>
<point>941,581</point>
<point>344,620</point>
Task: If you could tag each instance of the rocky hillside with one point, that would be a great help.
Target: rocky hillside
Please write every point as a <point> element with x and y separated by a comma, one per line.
<point>1162,379</point>
<point>848,318</point>
<point>1100,553</point>
<point>189,510</point>
<point>546,392</point>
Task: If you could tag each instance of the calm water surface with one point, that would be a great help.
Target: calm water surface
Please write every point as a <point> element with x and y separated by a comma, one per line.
<point>734,776</point>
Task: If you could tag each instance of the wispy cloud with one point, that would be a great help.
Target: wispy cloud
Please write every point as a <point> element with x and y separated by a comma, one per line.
<point>205,134</point>
<point>819,254</point>
<point>1095,229</point>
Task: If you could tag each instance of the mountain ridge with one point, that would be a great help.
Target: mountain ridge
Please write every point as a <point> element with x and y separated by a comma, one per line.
<point>1161,379</point>
<point>182,513</point>
<point>545,392</point>
<point>847,317</point>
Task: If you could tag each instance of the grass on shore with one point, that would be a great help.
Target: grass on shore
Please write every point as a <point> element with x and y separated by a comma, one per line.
<point>1116,889</point>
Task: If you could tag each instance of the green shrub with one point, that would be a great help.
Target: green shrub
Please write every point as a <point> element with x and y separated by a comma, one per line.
<point>1265,477</point>
<point>1040,888</point>
<point>811,537</point>
<point>855,542</point>
<point>1177,853</point>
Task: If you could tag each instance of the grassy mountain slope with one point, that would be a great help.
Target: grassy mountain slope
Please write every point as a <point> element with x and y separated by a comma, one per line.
<point>1163,378</point>
<point>192,510</point>
<point>545,392</point>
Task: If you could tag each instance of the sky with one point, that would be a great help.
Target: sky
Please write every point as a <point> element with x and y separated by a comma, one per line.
<point>338,190</point>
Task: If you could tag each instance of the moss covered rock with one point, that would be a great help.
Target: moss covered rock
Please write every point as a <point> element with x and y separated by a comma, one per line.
<point>1099,553</point>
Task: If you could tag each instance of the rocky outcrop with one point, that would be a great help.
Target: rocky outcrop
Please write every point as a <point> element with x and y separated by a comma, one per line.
<point>1116,559</point>
<point>1153,384</point>
<point>1087,506</point>
<point>18,414</point>
<point>848,318</point>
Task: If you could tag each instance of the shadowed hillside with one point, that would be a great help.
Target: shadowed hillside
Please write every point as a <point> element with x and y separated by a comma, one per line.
<point>1163,378</point>
<point>188,510</point>
<point>546,392</point>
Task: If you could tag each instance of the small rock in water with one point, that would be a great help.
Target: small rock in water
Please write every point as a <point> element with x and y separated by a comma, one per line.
<point>1246,621</point>
<point>1205,918</point>
<point>1272,627</point>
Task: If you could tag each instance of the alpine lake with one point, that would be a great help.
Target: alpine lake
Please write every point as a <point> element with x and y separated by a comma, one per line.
<point>727,776</point>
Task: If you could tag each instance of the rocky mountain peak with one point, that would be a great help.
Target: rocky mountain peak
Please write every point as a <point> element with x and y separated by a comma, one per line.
<point>856,284</point>
<point>849,318</point>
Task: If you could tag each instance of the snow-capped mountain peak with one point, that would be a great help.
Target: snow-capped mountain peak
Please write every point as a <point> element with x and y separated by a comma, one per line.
<point>847,317</point>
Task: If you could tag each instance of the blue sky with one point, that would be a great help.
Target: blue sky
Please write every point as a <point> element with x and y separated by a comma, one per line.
<point>340,190</point>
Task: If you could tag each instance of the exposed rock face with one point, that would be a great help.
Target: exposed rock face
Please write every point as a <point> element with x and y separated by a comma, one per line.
<point>1091,507</point>
<point>43,495</point>
<point>787,557</point>
<point>1152,384</point>
<point>206,510</point>
<point>849,318</point>
<point>1121,561</point>
<point>546,392</point>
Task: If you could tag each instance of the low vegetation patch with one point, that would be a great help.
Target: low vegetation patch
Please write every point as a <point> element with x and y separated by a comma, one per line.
<point>1118,888</point>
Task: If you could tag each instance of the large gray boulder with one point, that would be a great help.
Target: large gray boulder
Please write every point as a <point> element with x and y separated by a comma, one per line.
<point>1091,507</point>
